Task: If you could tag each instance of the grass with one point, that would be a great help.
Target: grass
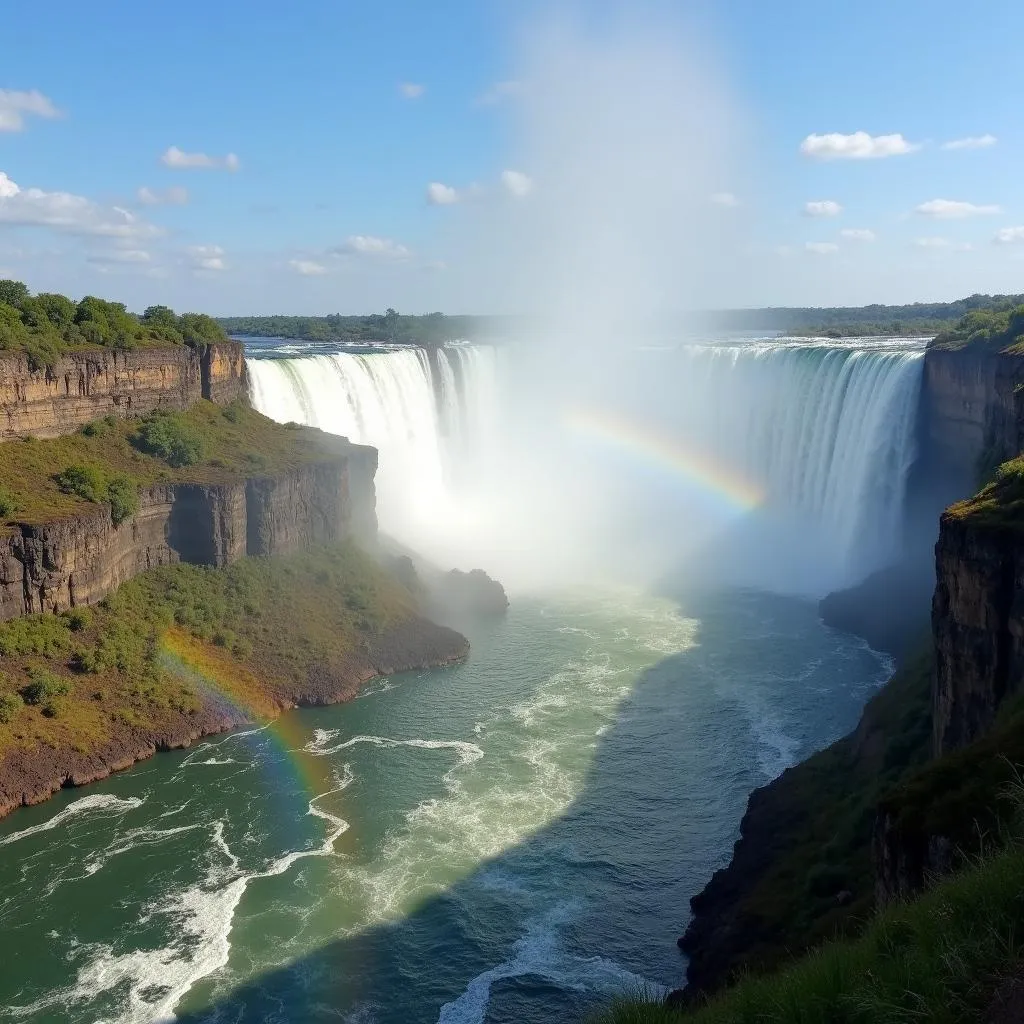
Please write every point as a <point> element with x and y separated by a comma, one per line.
<point>263,628</point>
<point>110,459</point>
<point>1000,503</point>
<point>938,958</point>
<point>814,827</point>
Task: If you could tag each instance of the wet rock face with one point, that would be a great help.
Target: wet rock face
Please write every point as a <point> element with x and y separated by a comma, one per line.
<point>978,627</point>
<point>85,386</point>
<point>77,560</point>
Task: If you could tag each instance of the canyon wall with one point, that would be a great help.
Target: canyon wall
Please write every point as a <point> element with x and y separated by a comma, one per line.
<point>77,560</point>
<point>89,385</point>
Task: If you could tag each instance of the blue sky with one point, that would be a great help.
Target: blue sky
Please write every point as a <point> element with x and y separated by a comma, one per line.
<point>323,124</point>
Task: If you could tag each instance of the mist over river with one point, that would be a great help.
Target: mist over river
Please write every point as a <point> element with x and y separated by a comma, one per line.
<point>515,838</point>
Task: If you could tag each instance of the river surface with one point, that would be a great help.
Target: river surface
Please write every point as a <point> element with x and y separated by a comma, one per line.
<point>513,839</point>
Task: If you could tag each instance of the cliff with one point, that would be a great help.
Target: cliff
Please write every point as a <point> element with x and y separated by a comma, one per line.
<point>77,560</point>
<point>972,412</point>
<point>87,385</point>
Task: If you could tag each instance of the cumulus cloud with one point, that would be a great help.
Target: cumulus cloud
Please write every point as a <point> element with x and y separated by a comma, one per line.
<point>182,161</point>
<point>309,268</point>
<point>411,90</point>
<point>971,142</point>
<point>173,196</point>
<point>821,248</point>
<point>372,247</point>
<point>68,213</point>
<point>499,92</point>
<point>1009,236</point>
<point>441,195</point>
<point>858,146</point>
<point>15,105</point>
<point>858,234</point>
<point>119,256</point>
<point>822,208</point>
<point>951,209</point>
<point>206,257</point>
<point>516,183</point>
<point>724,199</point>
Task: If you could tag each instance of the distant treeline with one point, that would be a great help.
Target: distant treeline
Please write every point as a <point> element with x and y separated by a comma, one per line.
<point>377,328</point>
<point>918,318</point>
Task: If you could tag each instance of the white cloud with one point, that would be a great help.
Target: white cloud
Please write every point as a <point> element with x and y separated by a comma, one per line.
<point>516,183</point>
<point>1009,236</point>
<point>180,160</point>
<point>309,268</point>
<point>724,199</point>
<point>971,142</point>
<point>858,234</point>
<point>15,105</point>
<point>411,90</point>
<point>206,257</point>
<point>173,196</point>
<point>128,256</point>
<point>441,195</point>
<point>500,91</point>
<point>858,146</point>
<point>823,208</point>
<point>371,246</point>
<point>952,209</point>
<point>822,248</point>
<point>934,242</point>
<point>68,213</point>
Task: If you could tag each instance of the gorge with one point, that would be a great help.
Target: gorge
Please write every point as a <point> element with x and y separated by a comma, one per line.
<point>490,810</point>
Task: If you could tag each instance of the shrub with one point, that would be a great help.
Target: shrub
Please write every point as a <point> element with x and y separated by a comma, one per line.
<point>10,705</point>
<point>84,481</point>
<point>44,687</point>
<point>78,619</point>
<point>8,505</point>
<point>123,496</point>
<point>170,438</point>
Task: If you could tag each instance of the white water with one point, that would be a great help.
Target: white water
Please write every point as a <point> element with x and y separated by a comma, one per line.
<point>824,429</point>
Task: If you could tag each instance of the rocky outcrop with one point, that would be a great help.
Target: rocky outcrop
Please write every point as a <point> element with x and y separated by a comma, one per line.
<point>88,385</point>
<point>977,623</point>
<point>973,412</point>
<point>903,860</point>
<point>73,561</point>
<point>462,594</point>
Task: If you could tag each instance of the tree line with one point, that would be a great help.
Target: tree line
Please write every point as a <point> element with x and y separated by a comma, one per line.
<point>48,325</point>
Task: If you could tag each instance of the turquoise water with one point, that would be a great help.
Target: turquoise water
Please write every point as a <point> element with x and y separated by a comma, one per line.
<point>513,839</point>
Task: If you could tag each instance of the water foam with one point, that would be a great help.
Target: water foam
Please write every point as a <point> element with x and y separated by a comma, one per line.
<point>93,803</point>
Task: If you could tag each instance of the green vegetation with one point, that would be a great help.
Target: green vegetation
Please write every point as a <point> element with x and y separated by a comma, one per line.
<point>814,840</point>
<point>375,329</point>
<point>997,329</point>
<point>110,460</point>
<point>261,631</point>
<point>46,326</point>
<point>939,958</point>
<point>918,318</point>
<point>1000,503</point>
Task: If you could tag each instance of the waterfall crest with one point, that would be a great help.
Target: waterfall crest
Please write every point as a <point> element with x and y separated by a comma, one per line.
<point>825,430</point>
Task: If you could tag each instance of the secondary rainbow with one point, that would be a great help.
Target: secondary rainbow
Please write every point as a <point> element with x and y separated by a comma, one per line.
<point>668,454</point>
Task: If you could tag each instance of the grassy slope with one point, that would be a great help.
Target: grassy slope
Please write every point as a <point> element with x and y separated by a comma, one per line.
<point>812,838</point>
<point>237,441</point>
<point>260,627</point>
<point>938,959</point>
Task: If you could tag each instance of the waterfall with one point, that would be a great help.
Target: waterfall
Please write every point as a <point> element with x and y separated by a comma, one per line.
<point>422,415</point>
<point>825,430</point>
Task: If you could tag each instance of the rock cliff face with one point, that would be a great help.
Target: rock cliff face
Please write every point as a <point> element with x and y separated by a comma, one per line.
<point>54,566</point>
<point>972,412</point>
<point>85,386</point>
<point>978,626</point>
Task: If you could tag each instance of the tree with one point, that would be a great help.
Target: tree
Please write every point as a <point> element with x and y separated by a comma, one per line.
<point>13,332</point>
<point>13,293</point>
